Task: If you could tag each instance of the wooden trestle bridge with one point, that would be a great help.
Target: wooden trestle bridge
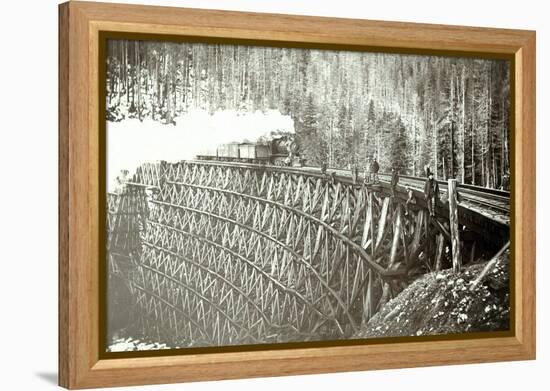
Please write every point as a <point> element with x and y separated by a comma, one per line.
<point>218,253</point>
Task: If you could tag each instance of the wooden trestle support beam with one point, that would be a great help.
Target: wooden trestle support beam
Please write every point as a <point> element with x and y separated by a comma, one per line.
<point>217,254</point>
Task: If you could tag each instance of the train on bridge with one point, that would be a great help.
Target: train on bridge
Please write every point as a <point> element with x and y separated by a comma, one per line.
<point>280,151</point>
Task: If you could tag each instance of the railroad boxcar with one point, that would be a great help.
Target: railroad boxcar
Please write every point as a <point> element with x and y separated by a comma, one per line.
<point>228,152</point>
<point>208,154</point>
<point>254,153</point>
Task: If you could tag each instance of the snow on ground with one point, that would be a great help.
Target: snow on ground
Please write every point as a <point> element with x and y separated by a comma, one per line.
<point>129,344</point>
<point>131,142</point>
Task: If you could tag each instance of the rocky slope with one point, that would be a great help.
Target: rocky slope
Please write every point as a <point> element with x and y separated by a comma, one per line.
<point>442,303</point>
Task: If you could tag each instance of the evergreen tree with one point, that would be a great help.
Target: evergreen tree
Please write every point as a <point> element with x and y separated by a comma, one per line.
<point>308,135</point>
<point>451,113</point>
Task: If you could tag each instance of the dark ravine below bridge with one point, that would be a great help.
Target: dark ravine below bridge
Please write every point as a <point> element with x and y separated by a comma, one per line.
<point>223,253</point>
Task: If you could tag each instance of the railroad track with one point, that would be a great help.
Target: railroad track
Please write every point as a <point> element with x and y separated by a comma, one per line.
<point>492,199</point>
<point>485,199</point>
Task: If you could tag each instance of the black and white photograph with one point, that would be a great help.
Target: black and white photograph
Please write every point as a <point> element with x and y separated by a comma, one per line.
<point>268,195</point>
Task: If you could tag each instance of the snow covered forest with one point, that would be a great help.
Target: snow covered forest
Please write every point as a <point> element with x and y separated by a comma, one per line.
<point>408,111</point>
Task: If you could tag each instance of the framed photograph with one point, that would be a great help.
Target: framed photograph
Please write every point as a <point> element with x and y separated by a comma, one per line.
<point>247,195</point>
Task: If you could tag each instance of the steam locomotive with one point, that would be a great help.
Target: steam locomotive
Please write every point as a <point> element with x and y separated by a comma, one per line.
<point>280,151</point>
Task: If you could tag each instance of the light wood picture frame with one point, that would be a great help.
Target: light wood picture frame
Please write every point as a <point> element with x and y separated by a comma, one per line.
<point>82,167</point>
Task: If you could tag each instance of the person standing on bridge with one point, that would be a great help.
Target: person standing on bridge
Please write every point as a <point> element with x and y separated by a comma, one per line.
<point>431,193</point>
<point>374,170</point>
<point>505,185</point>
<point>367,178</point>
<point>427,170</point>
<point>394,180</point>
<point>410,199</point>
<point>355,174</point>
<point>324,168</point>
<point>288,161</point>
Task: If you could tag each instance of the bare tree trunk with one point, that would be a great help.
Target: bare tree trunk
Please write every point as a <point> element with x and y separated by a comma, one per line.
<point>453,116</point>
<point>453,221</point>
<point>473,125</point>
<point>489,136</point>
<point>503,127</point>
<point>434,138</point>
<point>415,151</point>
<point>126,81</point>
<point>463,171</point>
<point>167,86</point>
<point>119,79</point>
<point>452,168</point>
<point>488,267</point>
<point>472,133</point>
<point>138,81</point>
